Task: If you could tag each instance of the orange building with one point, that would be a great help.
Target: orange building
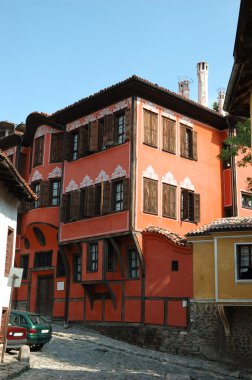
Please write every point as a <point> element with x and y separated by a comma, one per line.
<point>121,177</point>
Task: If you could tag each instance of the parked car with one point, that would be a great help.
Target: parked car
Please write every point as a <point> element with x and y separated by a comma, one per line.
<point>16,336</point>
<point>39,329</point>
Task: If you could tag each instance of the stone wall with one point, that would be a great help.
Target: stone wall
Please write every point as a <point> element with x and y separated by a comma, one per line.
<point>205,336</point>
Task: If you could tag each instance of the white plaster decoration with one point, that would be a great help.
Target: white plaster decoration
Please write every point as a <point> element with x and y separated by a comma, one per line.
<point>43,129</point>
<point>37,176</point>
<point>72,186</point>
<point>87,181</point>
<point>185,120</point>
<point>119,172</point>
<point>126,103</point>
<point>168,178</point>
<point>187,184</point>
<point>169,114</point>
<point>102,177</point>
<point>9,152</point>
<point>56,172</point>
<point>150,173</point>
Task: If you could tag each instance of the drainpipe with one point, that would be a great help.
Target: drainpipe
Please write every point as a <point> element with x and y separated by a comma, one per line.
<point>233,177</point>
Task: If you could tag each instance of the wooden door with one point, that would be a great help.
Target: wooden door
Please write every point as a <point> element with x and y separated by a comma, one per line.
<point>44,304</point>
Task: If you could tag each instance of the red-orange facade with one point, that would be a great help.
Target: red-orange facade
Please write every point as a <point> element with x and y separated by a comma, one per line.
<point>121,177</point>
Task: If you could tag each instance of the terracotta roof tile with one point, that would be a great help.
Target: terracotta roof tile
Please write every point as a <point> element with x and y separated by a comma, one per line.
<point>224,225</point>
<point>176,239</point>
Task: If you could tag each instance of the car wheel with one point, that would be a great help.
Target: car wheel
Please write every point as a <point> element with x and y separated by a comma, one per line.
<point>37,347</point>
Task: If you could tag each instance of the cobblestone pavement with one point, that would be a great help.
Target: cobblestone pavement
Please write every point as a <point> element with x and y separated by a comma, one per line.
<point>76,353</point>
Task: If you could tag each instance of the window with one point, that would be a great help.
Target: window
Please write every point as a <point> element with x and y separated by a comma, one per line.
<point>118,196</point>
<point>22,164</point>
<point>24,263</point>
<point>120,128</point>
<point>55,192</point>
<point>43,259</point>
<point>83,203</point>
<point>38,151</point>
<point>111,258</point>
<point>246,199</point>
<point>76,268</point>
<point>150,196</point>
<point>68,207</point>
<point>174,266</point>
<point>100,134</point>
<point>9,251</point>
<point>188,142</point>
<point>61,271</point>
<point>244,261</point>
<point>36,189</point>
<point>150,128</point>
<point>169,135</point>
<point>75,139</point>
<point>169,201</point>
<point>56,154</point>
<point>92,257</point>
<point>39,236</point>
<point>190,206</point>
<point>133,264</point>
<point>98,195</point>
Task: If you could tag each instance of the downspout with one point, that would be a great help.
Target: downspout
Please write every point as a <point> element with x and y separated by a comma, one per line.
<point>216,279</point>
<point>233,177</point>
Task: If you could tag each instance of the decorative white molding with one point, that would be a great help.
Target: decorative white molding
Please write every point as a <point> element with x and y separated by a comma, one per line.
<point>168,178</point>
<point>43,129</point>
<point>87,181</point>
<point>37,176</point>
<point>119,172</point>
<point>150,173</point>
<point>187,184</point>
<point>72,186</point>
<point>9,152</point>
<point>102,177</point>
<point>56,172</point>
<point>126,103</point>
<point>186,121</point>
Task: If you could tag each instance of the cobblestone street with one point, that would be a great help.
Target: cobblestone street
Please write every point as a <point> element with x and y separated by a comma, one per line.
<point>83,354</point>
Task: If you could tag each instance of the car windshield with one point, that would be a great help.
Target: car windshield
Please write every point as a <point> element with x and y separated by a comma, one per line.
<point>38,320</point>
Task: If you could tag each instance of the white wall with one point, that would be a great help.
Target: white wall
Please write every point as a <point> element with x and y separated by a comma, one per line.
<point>8,218</point>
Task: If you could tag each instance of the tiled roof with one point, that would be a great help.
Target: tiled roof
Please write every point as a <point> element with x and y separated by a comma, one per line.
<point>176,239</point>
<point>224,225</point>
<point>13,180</point>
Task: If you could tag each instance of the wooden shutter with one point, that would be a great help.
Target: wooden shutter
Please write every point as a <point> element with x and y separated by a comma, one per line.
<point>63,208</point>
<point>195,146</point>
<point>150,196</point>
<point>165,133</point>
<point>196,207</point>
<point>126,195</point>
<point>45,193</point>
<point>183,140</point>
<point>184,204</point>
<point>9,251</point>
<point>93,136</point>
<point>109,135</point>
<point>68,147</point>
<point>75,205</point>
<point>106,197</point>
<point>147,127</point>
<point>83,141</point>
<point>154,129</point>
<point>169,135</point>
<point>169,200</point>
<point>22,164</point>
<point>56,147</point>
<point>90,201</point>
<point>128,129</point>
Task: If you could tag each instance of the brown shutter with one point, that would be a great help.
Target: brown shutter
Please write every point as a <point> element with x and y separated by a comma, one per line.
<point>63,208</point>
<point>83,141</point>
<point>165,133</point>
<point>75,205</point>
<point>68,147</point>
<point>196,207</point>
<point>45,193</point>
<point>106,197</point>
<point>90,201</point>
<point>146,195</point>
<point>56,147</point>
<point>93,136</point>
<point>147,127</point>
<point>169,200</point>
<point>195,149</point>
<point>126,195</point>
<point>150,196</point>
<point>109,135</point>
<point>9,251</point>
<point>172,136</point>
<point>154,129</point>
<point>184,204</point>
<point>165,200</point>
<point>128,129</point>
<point>183,140</point>
<point>22,164</point>
<point>173,201</point>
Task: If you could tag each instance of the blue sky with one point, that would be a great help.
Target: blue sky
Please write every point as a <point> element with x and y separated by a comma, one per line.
<point>56,52</point>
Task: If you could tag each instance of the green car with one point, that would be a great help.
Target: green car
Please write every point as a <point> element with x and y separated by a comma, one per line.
<point>39,329</point>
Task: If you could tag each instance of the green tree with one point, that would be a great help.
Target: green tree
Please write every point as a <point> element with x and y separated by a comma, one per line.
<point>239,144</point>
<point>215,106</point>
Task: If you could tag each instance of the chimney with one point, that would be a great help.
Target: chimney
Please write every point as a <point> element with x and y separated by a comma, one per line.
<point>202,72</point>
<point>221,98</point>
<point>184,89</point>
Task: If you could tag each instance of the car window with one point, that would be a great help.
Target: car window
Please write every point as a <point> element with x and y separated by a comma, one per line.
<point>22,320</point>
<point>38,320</point>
